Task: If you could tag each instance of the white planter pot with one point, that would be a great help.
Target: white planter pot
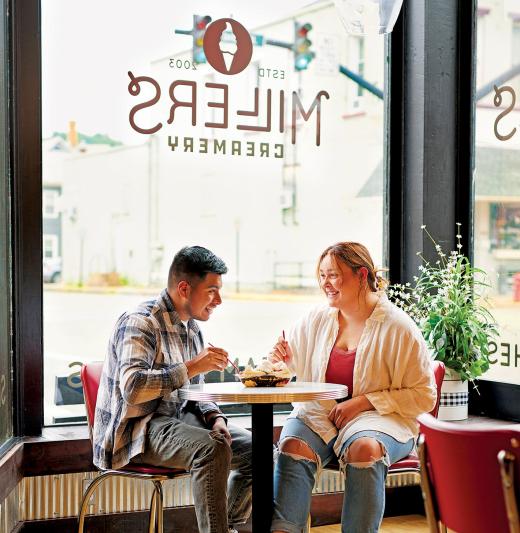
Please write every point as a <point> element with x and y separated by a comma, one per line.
<point>454,397</point>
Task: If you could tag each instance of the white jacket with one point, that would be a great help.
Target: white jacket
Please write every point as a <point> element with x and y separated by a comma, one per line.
<point>392,368</point>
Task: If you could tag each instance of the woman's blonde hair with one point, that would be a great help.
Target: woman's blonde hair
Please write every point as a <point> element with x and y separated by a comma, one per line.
<point>355,256</point>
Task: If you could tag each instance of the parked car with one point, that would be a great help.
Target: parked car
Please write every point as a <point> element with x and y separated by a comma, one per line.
<point>52,270</point>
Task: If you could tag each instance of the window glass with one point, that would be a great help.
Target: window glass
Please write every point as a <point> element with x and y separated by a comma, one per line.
<point>497,175</point>
<point>265,153</point>
<point>6,418</point>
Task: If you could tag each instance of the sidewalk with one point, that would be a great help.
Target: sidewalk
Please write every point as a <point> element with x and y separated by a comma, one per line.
<point>296,295</point>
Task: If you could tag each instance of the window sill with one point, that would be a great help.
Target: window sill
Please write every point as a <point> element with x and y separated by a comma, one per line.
<point>63,450</point>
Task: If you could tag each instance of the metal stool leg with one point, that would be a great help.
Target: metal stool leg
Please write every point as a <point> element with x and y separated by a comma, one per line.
<point>159,503</point>
<point>86,497</point>
<point>153,511</point>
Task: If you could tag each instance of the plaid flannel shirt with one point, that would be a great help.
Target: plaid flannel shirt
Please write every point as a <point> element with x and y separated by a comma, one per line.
<point>143,369</point>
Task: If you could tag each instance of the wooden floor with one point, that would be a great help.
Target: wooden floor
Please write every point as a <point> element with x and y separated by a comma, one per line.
<point>396,524</point>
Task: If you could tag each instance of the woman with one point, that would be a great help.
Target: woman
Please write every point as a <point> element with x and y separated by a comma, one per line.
<point>365,342</point>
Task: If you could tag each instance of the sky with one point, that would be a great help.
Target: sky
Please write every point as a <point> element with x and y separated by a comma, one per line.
<point>88,47</point>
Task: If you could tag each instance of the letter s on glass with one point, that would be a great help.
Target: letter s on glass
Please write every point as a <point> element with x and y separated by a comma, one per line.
<point>134,89</point>
<point>74,380</point>
<point>497,100</point>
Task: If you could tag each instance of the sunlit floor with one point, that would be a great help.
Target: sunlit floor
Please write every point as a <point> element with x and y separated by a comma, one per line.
<point>396,524</point>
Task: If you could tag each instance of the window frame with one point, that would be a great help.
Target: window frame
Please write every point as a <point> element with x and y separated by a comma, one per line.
<point>428,131</point>
<point>24,22</point>
<point>416,61</point>
<point>6,384</point>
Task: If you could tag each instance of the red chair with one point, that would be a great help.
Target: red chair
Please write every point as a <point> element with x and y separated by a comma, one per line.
<point>90,378</point>
<point>469,475</point>
<point>411,464</point>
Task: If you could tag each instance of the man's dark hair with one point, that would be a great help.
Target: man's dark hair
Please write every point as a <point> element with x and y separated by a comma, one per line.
<point>192,263</point>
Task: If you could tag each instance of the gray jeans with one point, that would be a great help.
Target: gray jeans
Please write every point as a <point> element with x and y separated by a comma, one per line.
<point>186,443</point>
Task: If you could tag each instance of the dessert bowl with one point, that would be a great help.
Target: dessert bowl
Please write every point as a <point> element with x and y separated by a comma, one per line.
<point>266,374</point>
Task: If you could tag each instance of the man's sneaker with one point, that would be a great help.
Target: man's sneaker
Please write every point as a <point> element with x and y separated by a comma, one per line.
<point>232,530</point>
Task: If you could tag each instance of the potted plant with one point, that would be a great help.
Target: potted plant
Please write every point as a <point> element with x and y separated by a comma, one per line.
<point>447,301</point>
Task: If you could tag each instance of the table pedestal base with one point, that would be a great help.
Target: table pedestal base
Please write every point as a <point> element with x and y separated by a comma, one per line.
<point>262,400</point>
<point>262,426</point>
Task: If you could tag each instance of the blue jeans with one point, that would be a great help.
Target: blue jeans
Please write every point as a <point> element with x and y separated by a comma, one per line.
<point>364,499</point>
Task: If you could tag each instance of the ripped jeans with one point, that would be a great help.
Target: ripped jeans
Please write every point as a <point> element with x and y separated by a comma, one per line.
<point>364,499</point>
<point>186,443</point>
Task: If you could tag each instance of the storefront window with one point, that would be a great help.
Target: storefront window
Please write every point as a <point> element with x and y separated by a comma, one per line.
<point>497,175</point>
<point>6,418</point>
<point>264,151</point>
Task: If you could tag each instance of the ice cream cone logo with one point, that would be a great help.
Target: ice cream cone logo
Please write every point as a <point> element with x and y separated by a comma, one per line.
<point>228,46</point>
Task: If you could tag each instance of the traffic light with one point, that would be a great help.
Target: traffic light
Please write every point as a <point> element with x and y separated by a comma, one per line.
<point>200,25</point>
<point>302,52</point>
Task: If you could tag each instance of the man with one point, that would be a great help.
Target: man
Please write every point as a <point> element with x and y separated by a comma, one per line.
<point>154,351</point>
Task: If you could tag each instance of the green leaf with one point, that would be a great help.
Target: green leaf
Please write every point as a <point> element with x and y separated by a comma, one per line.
<point>448,302</point>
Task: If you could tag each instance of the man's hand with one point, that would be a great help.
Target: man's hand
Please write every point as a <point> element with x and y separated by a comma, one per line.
<point>281,351</point>
<point>220,426</point>
<point>211,358</point>
<point>344,412</point>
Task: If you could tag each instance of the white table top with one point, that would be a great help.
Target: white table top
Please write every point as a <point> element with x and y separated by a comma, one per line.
<point>299,391</point>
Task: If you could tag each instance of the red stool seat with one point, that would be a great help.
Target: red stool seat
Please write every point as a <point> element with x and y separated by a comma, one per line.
<point>407,463</point>
<point>152,470</point>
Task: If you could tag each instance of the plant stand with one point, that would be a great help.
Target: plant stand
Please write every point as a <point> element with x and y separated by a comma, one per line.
<point>454,397</point>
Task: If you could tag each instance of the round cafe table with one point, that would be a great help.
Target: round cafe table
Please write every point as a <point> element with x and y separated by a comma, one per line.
<point>262,400</point>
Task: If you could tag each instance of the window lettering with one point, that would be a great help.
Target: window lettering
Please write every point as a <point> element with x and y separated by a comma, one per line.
<point>134,89</point>
<point>188,144</point>
<point>173,144</point>
<point>74,380</point>
<point>498,102</point>
<point>493,347</point>
<point>298,109</point>
<point>506,354</point>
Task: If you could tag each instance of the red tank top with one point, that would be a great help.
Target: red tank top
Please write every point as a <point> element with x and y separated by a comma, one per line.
<point>341,368</point>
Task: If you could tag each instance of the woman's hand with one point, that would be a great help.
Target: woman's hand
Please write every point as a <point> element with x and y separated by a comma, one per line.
<point>281,351</point>
<point>344,412</point>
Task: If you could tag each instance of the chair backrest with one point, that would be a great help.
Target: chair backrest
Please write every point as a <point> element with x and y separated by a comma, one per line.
<point>438,371</point>
<point>90,377</point>
<point>464,474</point>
